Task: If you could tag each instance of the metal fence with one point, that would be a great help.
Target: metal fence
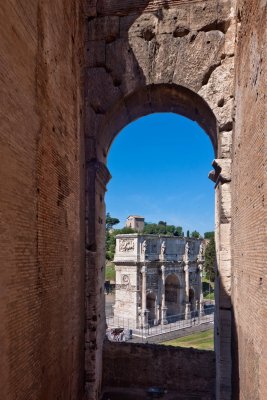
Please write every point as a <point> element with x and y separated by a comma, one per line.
<point>175,322</point>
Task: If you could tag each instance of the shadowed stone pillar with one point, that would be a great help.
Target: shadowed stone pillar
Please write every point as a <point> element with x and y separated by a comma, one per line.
<point>144,309</point>
<point>97,177</point>
<point>164,320</point>
<point>223,303</point>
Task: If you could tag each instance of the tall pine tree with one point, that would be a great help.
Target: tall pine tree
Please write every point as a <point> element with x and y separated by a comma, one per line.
<point>210,257</point>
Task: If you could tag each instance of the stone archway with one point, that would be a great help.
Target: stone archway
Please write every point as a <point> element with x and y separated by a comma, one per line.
<point>172,296</point>
<point>175,57</point>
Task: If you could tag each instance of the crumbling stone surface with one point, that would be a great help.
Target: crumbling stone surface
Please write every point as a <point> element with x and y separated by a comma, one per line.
<point>185,44</point>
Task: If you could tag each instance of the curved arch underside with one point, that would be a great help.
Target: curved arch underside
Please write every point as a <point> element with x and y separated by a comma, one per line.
<point>159,98</point>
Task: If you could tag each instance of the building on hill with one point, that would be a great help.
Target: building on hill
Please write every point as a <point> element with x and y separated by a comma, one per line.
<point>135,222</point>
<point>158,278</point>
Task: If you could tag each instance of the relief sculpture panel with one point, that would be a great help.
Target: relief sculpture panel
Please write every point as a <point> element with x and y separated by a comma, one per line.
<point>126,245</point>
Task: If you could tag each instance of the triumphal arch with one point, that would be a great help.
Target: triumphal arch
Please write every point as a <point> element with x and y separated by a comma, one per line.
<point>158,279</point>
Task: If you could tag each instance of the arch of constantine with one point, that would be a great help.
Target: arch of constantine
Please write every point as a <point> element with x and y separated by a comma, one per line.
<point>73,74</point>
<point>157,277</point>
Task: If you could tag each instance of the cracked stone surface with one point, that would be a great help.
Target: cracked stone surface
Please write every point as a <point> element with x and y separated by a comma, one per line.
<point>189,45</point>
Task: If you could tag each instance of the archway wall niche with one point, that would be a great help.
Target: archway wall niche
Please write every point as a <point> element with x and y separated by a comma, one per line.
<point>172,57</point>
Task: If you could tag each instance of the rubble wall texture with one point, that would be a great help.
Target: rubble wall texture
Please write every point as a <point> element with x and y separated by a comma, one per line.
<point>249,277</point>
<point>42,273</point>
<point>187,371</point>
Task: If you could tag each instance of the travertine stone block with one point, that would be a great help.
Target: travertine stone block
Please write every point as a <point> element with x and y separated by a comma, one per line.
<point>172,18</point>
<point>203,14</point>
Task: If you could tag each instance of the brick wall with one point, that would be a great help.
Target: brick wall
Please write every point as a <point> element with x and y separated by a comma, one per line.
<point>186,371</point>
<point>41,240</point>
<point>249,277</point>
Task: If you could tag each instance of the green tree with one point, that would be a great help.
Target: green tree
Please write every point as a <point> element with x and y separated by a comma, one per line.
<point>208,235</point>
<point>195,234</point>
<point>170,229</point>
<point>162,223</point>
<point>110,245</point>
<point>151,229</point>
<point>178,231</point>
<point>110,222</point>
<point>162,228</point>
<point>210,259</point>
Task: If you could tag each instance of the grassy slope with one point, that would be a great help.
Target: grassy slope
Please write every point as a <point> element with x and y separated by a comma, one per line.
<point>200,340</point>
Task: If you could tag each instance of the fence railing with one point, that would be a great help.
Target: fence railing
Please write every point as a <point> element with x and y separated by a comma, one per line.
<point>175,322</point>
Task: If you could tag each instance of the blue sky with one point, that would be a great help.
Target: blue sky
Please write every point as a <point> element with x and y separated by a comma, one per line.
<point>159,166</point>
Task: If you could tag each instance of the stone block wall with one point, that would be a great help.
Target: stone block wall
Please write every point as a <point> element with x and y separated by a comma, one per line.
<point>41,206</point>
<point>186,371</point>
<point>249,246</point>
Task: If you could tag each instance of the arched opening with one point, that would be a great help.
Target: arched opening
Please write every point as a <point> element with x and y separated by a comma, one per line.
<point>173,297</point>
<point>149,183</point>
<point>150,100</point>
<point>165,98</point>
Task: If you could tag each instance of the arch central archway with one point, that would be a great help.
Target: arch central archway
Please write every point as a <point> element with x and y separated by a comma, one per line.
<point>173,296</point>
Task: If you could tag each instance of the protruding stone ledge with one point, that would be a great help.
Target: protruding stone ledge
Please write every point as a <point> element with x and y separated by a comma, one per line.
<point>222,171</point>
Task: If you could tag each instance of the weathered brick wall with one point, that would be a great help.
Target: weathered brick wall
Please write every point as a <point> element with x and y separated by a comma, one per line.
<point>186,371</point>
<point>41,240</point>
<point>249,277</point>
